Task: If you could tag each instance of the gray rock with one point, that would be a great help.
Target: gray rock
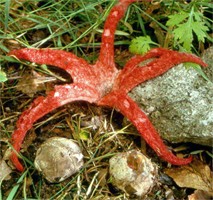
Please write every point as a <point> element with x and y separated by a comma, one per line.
<point>180,103</point>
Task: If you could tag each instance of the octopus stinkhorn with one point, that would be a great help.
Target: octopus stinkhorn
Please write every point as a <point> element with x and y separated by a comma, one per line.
<point>101,84</point>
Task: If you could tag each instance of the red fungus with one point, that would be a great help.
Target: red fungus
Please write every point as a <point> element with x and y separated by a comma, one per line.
<point>102,84</point>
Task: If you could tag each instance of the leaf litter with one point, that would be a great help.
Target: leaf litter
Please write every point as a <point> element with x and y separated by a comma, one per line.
<point>197,175</point>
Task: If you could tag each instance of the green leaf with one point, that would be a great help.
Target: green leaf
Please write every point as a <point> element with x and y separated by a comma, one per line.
<point>141,45</point>
<point>177,18</point>
<point>84,135</point>
<point>185,24</point>
<point>3,76</point>
<point>200,30</point>
<point>184,35</point>
<point>198,16</point>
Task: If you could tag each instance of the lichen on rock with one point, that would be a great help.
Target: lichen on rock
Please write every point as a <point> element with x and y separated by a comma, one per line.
<point>180,103</point>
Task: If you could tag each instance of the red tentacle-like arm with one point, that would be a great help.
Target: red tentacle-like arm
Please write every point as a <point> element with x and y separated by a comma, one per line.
<point>41,106</point>
<point>77,67</point>
<point>106,56</point>
<point>164,59</point>
<point>130,109</point>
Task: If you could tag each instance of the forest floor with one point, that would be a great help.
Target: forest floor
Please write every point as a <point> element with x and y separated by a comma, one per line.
<point>100,132</point>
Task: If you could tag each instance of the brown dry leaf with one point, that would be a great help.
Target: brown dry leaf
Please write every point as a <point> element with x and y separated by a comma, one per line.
<point>102,176</point>
<point>159,32</point>
<point>5,171</point>
<point>196,175</point>
<point>199,195</point>
<point>31,83</point>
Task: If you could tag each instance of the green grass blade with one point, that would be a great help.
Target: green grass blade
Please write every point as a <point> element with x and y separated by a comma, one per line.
<point>7,9</point>
<point>16,187</point>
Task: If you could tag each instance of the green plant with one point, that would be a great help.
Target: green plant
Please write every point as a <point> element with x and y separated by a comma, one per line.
<point>141,45</point>
<point>188,25</point>
<point>3,76</point>
<point>174,24</point>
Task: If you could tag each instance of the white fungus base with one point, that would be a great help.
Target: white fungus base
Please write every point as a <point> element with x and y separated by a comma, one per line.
<point>58,158</point>
<point>133,173</point>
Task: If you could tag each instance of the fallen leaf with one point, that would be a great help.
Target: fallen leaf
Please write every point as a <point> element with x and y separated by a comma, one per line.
<point>31,83</point>
<point>5,171</point>
<point>197,175</point>
<point>199,195</point>
<point>102,176</point>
